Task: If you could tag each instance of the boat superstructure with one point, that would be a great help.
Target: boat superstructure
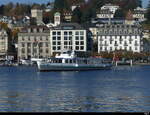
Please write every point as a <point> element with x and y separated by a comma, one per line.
<point>68,61</point>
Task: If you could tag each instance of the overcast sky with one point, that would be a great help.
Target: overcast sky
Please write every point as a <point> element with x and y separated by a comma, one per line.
<point>145,2</point>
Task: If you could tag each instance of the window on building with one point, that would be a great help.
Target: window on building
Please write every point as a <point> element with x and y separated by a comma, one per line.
<point>41,50</point>
<point>77,33</point>
<point>46,44</point>
<point>28,44</point>
<point>81,32</point>
<point>65,38</point>
<point>81,38</point>
<point>54,48</point>
<point>70,38</point>
<point>77,47</point>
<point>22,38</point>
<point>48,51</point>
<point>54,33</point>
<point>82,48</point>
<point>82,43</point>
<point>77,42</point>
<point>46,39</point>
<point>58,43</point>
<point>40,44</point>
<point>31,30</point>
<point>70,33</point>
<point>65,33</point>
<point>110,48</point>
<point>65,43</point>
<point>23,50</point>
<point>77,38</point>
<point>29,50</point>
<point>58,38</point>
<point>58,48</point>
<point>110,41</point>
<point>58,33</point>
<point>101,48</point>
<point>54,43</point>
<point>54,38</point>
<point>35,50</point>
<point>23,44</point>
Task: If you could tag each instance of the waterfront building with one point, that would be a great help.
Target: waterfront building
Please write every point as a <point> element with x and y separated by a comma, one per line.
<point>37,13</point>
<point>3,44</point>
<point>146,40</point>
<point>69,36</point>
<point>57,18</point>
<point>129,20</point>
<point>67,15</point>
<point>34,42</point>
<point>105,13</point>
<point>139,14</point>
<point>112,37</point>
<point>111,7</point>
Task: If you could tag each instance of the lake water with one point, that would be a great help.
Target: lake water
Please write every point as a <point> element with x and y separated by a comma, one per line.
<point>122,89</point>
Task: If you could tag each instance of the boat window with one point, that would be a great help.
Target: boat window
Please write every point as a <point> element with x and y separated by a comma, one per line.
<point>74,61</point>
<point>66,61</point>
<point>71,61</point>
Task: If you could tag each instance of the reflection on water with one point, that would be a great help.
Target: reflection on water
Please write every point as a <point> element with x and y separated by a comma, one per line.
<point>122,89</point>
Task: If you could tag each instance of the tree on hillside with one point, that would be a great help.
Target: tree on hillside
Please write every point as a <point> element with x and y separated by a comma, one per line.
<point>139,3</point>
<point>7,8</point>
<point>2,10</point>
<point>61,4</point>
<point>77,14</point>
<point>148,5</point>
<point>148,13</point>
<point>119,13</point>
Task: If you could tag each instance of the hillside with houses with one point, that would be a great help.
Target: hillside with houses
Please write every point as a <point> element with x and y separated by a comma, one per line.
<point>99,27</point>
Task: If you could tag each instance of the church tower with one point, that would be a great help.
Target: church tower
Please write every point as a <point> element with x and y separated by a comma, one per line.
<point>57,18</point>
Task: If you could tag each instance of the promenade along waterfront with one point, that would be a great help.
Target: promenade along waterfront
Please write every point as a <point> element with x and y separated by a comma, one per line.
<point>121,89</point>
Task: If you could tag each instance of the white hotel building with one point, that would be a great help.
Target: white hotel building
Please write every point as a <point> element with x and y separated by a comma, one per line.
<point>119,37</point>
<point>67,36</point>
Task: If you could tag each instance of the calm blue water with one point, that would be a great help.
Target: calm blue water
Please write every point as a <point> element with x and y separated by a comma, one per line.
<point>122,89</point>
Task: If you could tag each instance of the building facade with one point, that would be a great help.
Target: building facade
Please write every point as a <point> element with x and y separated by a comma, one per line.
<point>67,15</point>
<point>37,13</point>
<point>3,44</point>
<point>119,37</point>
<point>105,13</point>
<point>34,42</point>
<point>139,14</point>
<point>111,7</point>
<point>68,36</point>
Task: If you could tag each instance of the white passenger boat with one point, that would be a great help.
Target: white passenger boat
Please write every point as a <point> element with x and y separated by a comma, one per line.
<point>68,61</point>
